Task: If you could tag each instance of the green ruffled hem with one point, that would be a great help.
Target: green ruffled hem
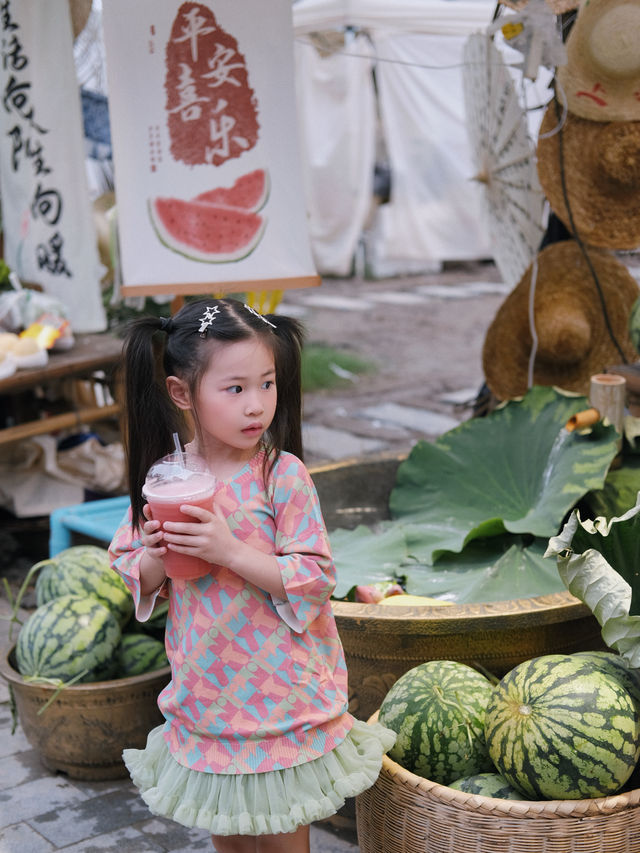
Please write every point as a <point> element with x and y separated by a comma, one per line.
<point>258,803</point>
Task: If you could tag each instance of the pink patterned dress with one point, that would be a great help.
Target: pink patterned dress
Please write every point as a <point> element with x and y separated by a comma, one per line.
<point>257,684</point>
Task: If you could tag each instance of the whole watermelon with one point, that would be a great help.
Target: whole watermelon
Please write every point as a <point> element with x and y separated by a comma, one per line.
<point>437,710</point>
<point>616,666</point>
<point>487,785</point>
<point>84,570</point>
<point>558,727</point>
<point>138,653</point>
<point>66,636</point>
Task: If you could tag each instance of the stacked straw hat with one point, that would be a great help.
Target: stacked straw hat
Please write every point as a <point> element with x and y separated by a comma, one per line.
<point>590,173</point>
<point>589,152</point>
<point>588,159</point>
<point>575,337</point>
<point>601,79</point>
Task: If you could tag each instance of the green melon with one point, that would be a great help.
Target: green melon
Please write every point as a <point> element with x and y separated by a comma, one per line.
<point>437,710</point>
<point>487,785</point>
<point>558,727</point>
<point>206,232</point>
<point>616,666</point>
<point>249,192</point>
<point>66,636</point>
<point>84,570</point>
<point>138,653</point>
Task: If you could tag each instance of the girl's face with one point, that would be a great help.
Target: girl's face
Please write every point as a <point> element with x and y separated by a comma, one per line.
<point>237,396</point>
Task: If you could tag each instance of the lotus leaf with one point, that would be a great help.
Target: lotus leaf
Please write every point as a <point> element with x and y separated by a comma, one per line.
<point>598,561</point>
<point>364,557</point>
<point>517,470</point>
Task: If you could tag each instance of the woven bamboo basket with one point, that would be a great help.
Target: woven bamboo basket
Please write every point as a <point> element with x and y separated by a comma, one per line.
<point>405,813</point>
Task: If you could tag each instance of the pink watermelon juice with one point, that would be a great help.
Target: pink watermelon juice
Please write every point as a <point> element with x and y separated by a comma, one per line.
<point>165,499</point>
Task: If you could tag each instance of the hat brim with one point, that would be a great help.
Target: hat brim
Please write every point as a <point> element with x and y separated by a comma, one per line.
<point>601,211</point>
<point>563,278</point>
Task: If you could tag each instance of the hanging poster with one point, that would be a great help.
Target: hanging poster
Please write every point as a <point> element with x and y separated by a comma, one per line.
<point>49,234</point>
<point>205,146</point>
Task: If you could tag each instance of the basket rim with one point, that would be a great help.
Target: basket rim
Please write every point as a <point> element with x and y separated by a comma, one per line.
<point>557,809</point>
<point>13,677</point>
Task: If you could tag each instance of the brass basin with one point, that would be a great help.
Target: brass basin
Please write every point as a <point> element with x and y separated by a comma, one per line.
<point>83,732</point>
<point>380,645</point>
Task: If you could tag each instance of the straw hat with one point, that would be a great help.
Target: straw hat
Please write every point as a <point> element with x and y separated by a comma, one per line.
<point>573,339</point>
<point>558,6</point>
<point>601,79</point>
<point>602,177</point>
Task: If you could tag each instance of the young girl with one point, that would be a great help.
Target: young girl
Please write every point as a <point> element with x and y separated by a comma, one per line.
<point>257,741</point>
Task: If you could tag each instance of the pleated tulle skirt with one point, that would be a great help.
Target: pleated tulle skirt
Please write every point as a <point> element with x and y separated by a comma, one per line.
<point>258,803</point>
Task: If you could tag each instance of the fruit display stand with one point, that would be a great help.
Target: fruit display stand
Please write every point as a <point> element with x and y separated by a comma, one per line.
<point>406,813</point>
<point>83,731</point>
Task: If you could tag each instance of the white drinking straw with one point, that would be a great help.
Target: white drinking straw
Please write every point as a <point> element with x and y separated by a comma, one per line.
<point>176,442</point>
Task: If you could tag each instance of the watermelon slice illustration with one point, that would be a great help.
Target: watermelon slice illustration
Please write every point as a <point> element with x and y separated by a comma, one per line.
<point>249,192</point>
<point>211,233</point>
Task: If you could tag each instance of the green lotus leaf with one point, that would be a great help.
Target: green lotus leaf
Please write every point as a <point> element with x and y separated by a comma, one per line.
<point>497,569</point>
<point>619,491</point>
<point>518,469</point>
<point>599,563</point>
<point>364,556</point>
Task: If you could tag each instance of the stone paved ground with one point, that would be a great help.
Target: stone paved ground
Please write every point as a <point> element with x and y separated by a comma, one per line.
<point>424,336</point>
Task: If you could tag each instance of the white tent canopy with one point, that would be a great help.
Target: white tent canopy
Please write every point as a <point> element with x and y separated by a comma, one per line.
<point>435,212</point>
<point>436,17</point>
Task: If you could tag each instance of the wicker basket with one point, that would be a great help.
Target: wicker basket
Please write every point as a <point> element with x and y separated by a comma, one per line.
<point>405,813</point>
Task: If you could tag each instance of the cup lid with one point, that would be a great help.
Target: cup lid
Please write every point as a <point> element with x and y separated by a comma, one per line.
<point>176,467</point>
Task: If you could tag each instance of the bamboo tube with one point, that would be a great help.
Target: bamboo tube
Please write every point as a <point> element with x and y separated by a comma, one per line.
<point>607,394</point>
<point>583,419</point>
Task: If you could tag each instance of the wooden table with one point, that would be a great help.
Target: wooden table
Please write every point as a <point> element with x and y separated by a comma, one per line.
<point>89,354</point>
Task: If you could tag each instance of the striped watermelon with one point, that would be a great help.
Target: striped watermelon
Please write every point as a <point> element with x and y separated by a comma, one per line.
<point>84,570</point>
<point>616,666</point>
<point>138,653</point>
<point>558,727</point>
<point>437,710</point>
<point>66,636</point>
<point>487,785</point>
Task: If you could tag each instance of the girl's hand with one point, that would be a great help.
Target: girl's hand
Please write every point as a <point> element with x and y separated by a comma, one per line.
<point>152,573</point>
<point>207,536</point>
<point>152,535</point>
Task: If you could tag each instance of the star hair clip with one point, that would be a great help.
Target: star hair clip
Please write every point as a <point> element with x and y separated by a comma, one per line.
<point>257,314</point>
<point>207,319</point>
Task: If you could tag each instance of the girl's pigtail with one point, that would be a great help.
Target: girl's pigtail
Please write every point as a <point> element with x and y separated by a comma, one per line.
<point>151,417</point>
<point>286,428</point>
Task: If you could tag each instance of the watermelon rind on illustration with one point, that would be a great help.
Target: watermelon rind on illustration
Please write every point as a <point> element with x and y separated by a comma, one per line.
<point>249,192</point>
<point>206,232</point>
<point>560,727</point>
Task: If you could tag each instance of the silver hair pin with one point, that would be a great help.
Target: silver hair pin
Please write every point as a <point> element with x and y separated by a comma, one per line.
<point>256,314</point>
<point>207,319</point>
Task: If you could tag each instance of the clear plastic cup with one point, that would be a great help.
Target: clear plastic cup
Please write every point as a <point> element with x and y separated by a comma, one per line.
<point>176,479</point>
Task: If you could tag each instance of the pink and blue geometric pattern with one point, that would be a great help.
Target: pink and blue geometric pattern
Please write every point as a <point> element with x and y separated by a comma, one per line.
<point>249,693</point>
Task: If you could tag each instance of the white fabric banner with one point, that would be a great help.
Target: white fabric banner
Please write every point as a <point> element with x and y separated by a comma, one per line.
<point>49,235</point>
<point>337,113</point>
<point>205,145</point>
